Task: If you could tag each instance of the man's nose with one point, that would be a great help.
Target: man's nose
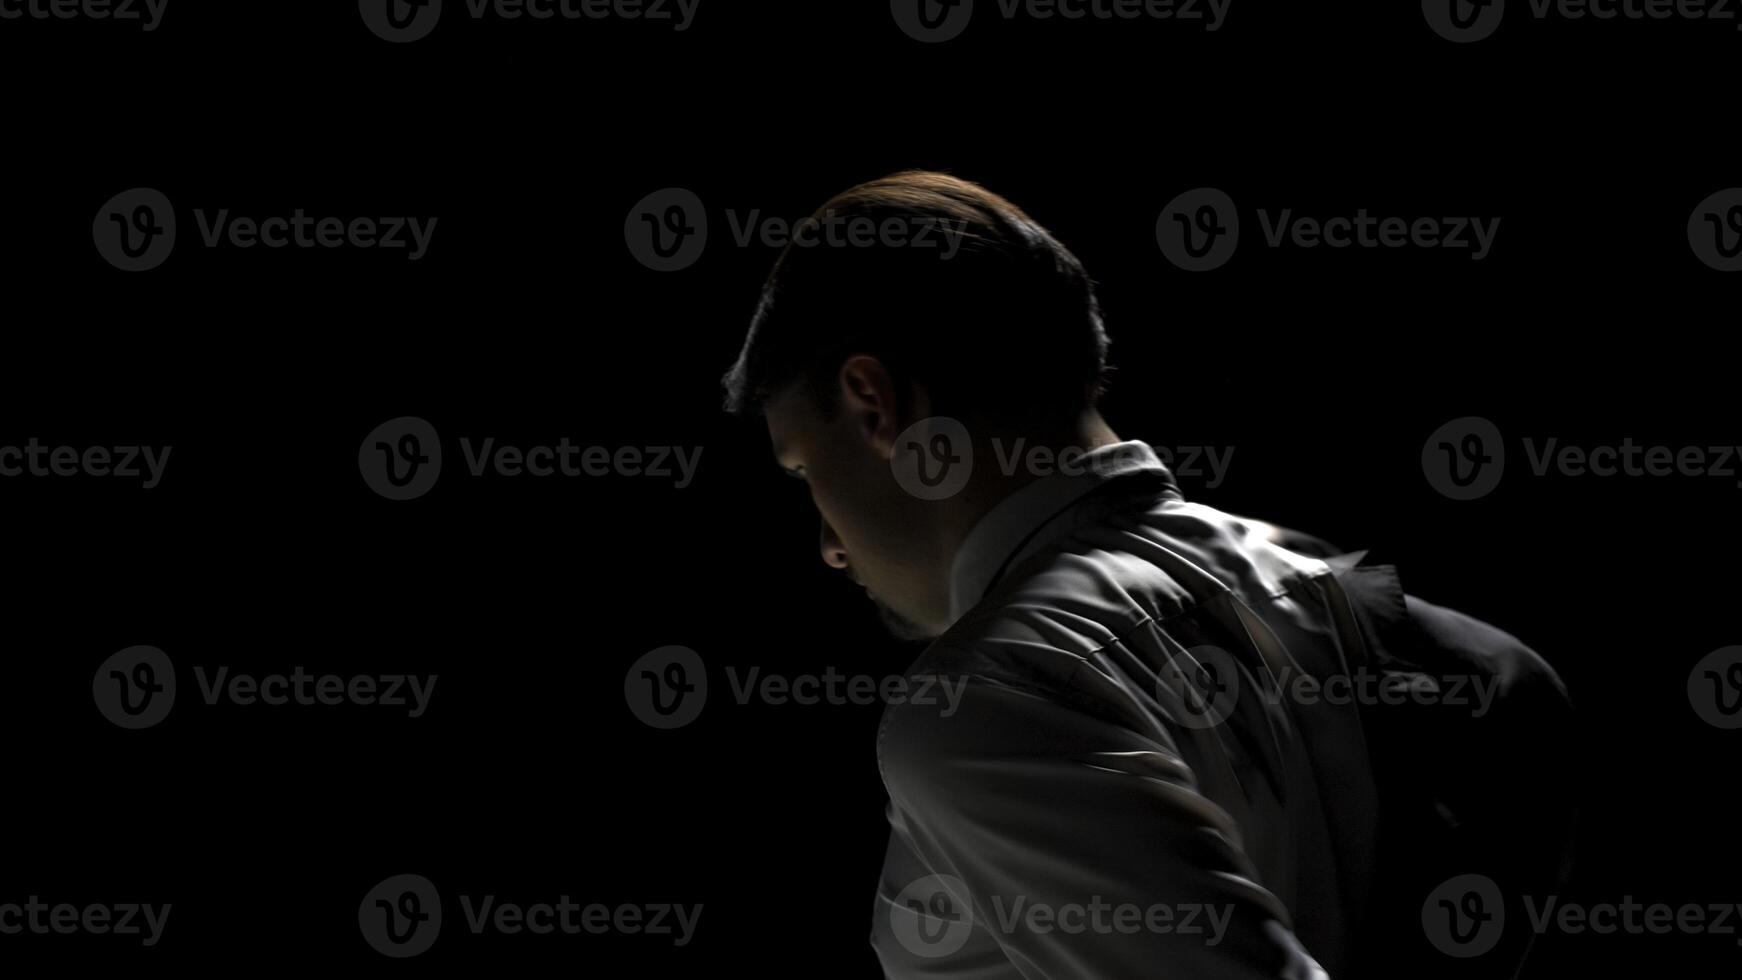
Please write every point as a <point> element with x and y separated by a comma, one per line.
<point>834,555</point>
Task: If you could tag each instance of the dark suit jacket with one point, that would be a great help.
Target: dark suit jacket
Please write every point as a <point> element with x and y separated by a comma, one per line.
<point>1184,749</point>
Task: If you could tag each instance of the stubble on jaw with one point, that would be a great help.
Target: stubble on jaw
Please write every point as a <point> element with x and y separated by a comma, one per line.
<point>899,626</point>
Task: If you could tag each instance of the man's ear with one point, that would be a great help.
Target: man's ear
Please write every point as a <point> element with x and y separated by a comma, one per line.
<point>878,408</point>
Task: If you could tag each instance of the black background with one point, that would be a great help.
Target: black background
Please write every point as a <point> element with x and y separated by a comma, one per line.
<point>530,321</point>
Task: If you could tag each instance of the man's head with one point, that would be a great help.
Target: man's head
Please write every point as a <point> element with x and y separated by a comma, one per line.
<point>996,327</point>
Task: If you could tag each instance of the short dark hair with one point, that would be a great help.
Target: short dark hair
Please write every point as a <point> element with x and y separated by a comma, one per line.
<point>1008,328</point>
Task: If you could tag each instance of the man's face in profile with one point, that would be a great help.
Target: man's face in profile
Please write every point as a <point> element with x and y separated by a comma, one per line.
<point>871,528</point>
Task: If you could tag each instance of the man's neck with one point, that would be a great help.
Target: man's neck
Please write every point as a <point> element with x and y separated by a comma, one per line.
<point>1010,470</point>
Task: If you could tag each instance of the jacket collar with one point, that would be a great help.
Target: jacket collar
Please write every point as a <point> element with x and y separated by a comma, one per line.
<point>1014,526</point>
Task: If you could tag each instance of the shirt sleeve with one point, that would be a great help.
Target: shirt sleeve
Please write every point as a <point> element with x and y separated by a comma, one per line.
<point>1078,848</point>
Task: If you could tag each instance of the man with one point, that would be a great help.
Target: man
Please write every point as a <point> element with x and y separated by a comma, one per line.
<point>1132,783</point>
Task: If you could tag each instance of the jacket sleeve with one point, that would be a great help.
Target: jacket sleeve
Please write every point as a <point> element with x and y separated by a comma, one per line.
<point>1080,847</point>
<point>1481,783</point>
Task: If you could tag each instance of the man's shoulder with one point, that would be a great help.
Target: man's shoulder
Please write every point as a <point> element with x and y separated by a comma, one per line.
<point>1021,672</point>
<point>1042,628</point>
<point>1126,568</point>
<point>990,709</point>
<point>1047,654</point>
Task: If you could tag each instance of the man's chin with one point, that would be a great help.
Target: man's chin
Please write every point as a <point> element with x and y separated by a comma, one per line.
<point>899,626</point>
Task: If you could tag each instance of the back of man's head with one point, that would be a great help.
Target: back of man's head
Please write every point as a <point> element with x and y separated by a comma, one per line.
<point>961,293</point>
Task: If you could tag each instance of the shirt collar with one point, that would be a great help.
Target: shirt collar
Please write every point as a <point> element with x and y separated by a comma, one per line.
<point>1016,520</point>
